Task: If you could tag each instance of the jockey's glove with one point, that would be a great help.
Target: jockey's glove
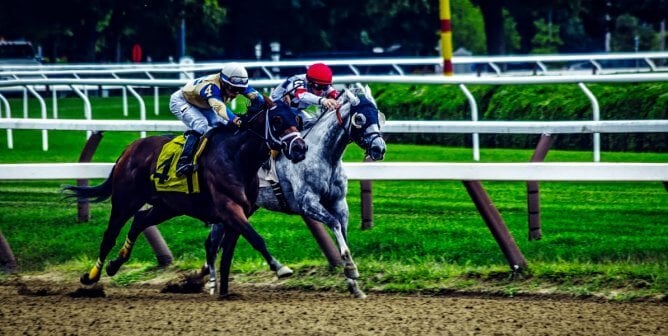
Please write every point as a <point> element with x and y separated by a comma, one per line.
<point>329,103</point>
<point>237,122</point>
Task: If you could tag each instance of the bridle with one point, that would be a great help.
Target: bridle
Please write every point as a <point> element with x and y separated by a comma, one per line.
<point>269,138</point>
<point>350,123</point>
<point>285,140</point>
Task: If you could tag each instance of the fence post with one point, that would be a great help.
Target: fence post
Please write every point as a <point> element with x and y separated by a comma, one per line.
<point>159,246</point>
<point>533,196</point>
<point>83,208</point>
<point>496,225</point>
<point>324,241</point>
<point>366,200</point>
<point>7,259</point>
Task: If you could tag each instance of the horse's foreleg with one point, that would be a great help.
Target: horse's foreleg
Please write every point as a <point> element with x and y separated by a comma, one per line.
<point>211,246</point>
<point>349,266</point>
<point>242,225</point>
<point>229,242</point>
<point>350,271</point>
<point>320,214</point>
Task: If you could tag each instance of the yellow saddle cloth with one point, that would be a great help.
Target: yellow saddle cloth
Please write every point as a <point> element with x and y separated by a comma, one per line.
<point>165,179</point>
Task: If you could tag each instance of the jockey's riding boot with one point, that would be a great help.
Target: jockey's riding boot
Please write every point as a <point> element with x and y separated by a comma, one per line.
<point>185,164</point>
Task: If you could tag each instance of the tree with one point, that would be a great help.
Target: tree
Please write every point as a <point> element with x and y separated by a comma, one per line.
<point>546,40</point>
<point>467,27</point>
<point>492,13</point>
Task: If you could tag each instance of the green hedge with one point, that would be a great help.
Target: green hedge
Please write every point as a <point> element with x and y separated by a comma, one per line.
<point>564,102</point>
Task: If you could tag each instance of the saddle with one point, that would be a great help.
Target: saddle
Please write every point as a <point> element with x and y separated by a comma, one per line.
<point>267,172</point>
<point>269,178</point>
<point>164,177</point>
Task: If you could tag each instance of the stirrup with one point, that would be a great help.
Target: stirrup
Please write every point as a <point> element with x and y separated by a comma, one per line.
<point>184,170</point>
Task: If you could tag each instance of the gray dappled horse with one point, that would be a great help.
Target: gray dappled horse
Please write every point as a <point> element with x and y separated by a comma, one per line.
<point>315,187</point>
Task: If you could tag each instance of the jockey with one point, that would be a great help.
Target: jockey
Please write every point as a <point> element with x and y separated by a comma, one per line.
<point>201,104</point>
<point>304,90</point>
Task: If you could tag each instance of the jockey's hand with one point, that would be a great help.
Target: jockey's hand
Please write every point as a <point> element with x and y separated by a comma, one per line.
<point>329,103</point>
<point>237,122</point>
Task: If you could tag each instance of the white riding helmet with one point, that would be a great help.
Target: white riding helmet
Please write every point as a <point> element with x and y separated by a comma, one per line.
<point>234,74</point>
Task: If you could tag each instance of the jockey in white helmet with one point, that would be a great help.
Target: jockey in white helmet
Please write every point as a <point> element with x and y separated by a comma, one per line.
<point>201,104</point>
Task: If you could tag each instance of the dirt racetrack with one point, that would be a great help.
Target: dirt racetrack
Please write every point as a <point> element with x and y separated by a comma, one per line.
<point>48,308</point>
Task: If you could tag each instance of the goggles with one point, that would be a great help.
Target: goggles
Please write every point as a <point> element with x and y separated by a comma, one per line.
<point>235,80</point>
<point>320,87</point>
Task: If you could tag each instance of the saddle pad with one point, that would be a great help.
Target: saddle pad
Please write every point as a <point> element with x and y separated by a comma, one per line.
<point>164,178</point>
<point>268,177</point>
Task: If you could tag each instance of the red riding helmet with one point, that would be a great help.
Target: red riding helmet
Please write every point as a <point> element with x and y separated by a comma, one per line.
<point>319,73</point>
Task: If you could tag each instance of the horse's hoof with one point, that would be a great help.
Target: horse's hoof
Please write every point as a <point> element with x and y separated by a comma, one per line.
<point>86,280</point>
<point>351,272</point>
<point>355,290</point>
<point>113,266</point>
<point>284,272</point>
<point>360,295</point>
<point>212,287</point>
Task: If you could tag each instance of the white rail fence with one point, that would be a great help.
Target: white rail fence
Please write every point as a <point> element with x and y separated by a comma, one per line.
<point>533,171</point>
<point>499,65</point>
<point>35,85</point>
<point>390,171</point>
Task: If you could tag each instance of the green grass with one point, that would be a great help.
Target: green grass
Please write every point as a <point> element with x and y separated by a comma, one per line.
<point>602,239</point>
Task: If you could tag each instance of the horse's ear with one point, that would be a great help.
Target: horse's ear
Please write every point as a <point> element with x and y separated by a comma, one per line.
<point>352,97</point>
<point>367,94</point>
<point>268,102</point>
<point>367,91</point>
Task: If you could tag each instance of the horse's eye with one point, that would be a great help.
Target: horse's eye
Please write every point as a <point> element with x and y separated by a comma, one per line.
<point>359,120</point>
<point>276,121</point>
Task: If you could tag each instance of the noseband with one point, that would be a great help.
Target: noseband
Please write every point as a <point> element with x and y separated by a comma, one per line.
<point>279,143</point>
<point>269,139</point>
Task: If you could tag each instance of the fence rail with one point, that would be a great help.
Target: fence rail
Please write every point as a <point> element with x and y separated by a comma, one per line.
<point>538,171</point>
<point>391,126</point>
<point>478,65</point>
<point>34,84</point>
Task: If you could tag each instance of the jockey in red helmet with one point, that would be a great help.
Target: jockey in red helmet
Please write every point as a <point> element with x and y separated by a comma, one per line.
<point>312,88</point>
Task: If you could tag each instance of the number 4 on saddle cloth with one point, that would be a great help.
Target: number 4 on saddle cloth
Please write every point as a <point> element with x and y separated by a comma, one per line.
<point>165,179</point>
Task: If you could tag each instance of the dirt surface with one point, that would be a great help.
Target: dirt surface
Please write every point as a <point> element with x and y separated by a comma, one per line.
<point>57,308</point>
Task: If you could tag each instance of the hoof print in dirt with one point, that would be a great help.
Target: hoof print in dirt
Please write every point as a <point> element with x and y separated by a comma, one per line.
<point>40,291</point>
<point>190,284</point>
<point>230,297</point>
<point>88,292</point>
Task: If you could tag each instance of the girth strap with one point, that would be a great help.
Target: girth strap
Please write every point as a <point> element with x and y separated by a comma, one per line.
<point>280,197</point>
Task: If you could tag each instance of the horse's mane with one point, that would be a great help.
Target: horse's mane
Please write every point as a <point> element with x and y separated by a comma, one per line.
<point>252,111</point>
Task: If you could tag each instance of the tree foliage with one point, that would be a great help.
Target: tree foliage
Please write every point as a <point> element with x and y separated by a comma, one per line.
<point>105,30</point>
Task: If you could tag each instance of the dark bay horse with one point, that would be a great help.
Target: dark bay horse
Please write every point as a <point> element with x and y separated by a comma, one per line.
<point>227,175</point>
<point>315,187</point>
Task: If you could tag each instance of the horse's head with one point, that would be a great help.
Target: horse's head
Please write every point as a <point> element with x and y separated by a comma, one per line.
<point>281,131</point>
<point>364,122</point>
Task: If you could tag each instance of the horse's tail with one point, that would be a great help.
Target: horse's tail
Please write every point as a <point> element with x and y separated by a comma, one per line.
<point>93,194</point>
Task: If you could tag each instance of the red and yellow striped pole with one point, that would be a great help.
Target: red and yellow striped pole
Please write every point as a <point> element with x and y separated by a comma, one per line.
<point>446,37</point>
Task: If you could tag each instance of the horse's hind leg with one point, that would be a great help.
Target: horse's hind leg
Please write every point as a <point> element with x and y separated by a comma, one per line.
<point>142,220</point>
<point>116,221</point>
